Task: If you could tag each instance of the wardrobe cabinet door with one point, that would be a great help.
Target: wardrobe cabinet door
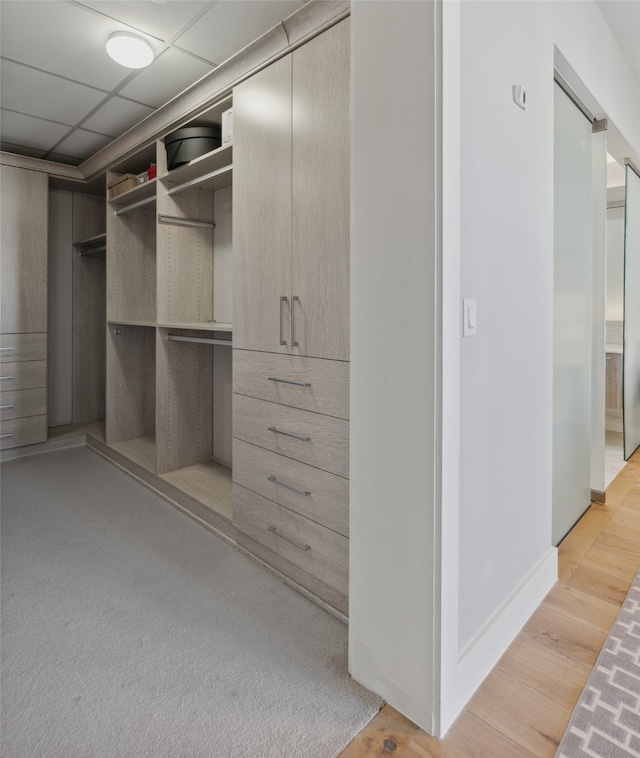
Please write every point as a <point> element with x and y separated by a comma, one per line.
<point>23,241</point>
<point>262,209</point>
<point>320,221</point>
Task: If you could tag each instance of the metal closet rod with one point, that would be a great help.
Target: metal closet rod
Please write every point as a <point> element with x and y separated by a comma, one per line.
<point>92,250</point>
<point>203,340</point>
<point>184,221</point>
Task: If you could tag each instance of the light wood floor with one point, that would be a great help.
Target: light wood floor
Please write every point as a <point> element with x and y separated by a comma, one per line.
<point>521,710</point>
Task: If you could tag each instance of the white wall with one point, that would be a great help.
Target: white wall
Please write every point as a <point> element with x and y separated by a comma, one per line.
<point>59,337</point>
<point>394,355</point>
<point>488,543</point>
<point>505,560</point>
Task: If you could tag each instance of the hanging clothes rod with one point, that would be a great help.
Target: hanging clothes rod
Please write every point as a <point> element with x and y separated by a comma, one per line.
<point>200,180</point>
<point>93,250</point>
<point>139,204</point>
<point>202,340</point>
<point>185,221</point>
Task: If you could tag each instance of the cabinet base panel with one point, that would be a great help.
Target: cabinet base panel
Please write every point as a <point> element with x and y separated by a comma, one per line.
<point>298,575</point>
<point>141,451</point>
<point>207,483</point>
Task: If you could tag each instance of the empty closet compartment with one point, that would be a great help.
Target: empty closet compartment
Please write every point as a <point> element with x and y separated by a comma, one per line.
<point>193,417</point>
<point>131,392</point>
<point>131,256</point>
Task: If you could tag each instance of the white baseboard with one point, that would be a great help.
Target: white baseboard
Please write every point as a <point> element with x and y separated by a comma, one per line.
<point>487,647</point>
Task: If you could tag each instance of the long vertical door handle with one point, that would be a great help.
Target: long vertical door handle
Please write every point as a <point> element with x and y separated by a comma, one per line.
<point>283,300</point>
<point>294,300</point>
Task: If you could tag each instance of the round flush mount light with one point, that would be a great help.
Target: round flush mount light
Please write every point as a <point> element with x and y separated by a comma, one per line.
<point>129,50</point>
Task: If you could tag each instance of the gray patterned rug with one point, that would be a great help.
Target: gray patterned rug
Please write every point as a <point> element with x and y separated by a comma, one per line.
<point>606,720</point>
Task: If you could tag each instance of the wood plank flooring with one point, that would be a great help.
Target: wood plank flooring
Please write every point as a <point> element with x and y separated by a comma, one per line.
<point>522,708</point>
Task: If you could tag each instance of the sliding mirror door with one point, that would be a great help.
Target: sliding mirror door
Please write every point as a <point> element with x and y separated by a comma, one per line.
<point>631,355</point>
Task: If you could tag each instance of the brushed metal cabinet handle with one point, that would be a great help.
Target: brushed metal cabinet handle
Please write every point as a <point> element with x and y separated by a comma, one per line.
<point>6,349</point>
<point>283,300</point>
<point>5,436</point>
<point>6,407</point>
<point>288,434</point>
<point>294,300</point>
<point>275,531</point>
<point>5,378</point>
<point>288,381</point>
<point>275,480</point>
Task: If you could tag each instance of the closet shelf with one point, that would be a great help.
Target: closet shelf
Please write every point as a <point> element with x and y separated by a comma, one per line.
<point>199,340</point>
<point>133,198</point>
<point>92,245</point>
<point>121,322</point>
<point>212,170</point>
<point>203,326</point>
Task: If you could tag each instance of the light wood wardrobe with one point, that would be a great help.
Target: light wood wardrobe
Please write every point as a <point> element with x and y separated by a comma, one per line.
<point>291,314</point>
<point>247,245</point>
<point>23,338</point>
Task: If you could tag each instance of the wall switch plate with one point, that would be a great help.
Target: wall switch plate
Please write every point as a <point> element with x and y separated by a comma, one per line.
<point>469,318</point>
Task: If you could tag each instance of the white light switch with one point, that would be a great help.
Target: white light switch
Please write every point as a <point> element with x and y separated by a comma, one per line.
<point>469,318</point>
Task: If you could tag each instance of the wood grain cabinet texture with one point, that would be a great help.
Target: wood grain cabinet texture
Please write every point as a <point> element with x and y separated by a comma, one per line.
<point>613,382</point>
<point>23,342</point>
<point>291,315</point>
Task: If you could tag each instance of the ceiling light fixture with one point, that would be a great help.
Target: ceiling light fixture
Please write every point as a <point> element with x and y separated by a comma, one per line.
<point>129,50</point>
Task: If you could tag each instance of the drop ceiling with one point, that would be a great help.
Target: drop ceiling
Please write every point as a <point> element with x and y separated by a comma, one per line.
<point>62,98</point>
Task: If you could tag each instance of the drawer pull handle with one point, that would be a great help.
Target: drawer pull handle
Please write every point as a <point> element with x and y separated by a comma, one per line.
<point>6,349</point>
<point>288,539</point>
<point>608,357</point>
<point>5,378</point>
<point>5,436</point>
<point>304,493</point>
<point>288,381</point>
<point>6,407</point>
<point>283,299</point>
<point>288,434</point>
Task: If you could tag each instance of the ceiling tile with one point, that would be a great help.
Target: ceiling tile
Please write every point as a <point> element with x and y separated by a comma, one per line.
<point>32,152</point>
<point>35,93</point>
<point>29,131</point>
<point>167,76</point>
<point>63,38</point>
<point>82,144</point>
<point>160,20</point>
<point>232,24</point>
<point>116,116</point>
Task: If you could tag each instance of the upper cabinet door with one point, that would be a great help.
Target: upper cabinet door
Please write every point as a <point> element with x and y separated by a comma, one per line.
<point>320,220</point>
<point>262,209</point>
<point>23,242</point>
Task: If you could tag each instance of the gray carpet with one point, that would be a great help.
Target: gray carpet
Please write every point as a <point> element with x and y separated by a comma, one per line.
<point>606,720</point>
<point>128,631</point>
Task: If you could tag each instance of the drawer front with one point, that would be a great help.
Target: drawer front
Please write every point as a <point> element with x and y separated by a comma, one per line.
<point>320,441</point>
<point>25,375</point>
<point>318,495</point>
<point>313,384</point>
<point>19,403</point>
<point>23,431</point>
<point>318,551</point>
<point>23,347</point>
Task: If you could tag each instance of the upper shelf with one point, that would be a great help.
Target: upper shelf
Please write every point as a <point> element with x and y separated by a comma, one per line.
<point>212,170</point>
<point>144,191</point>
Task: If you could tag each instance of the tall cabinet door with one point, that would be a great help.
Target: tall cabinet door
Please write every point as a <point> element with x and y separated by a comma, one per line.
<point>320,213</point>
<point>262,209</point>
<point>23,238</point>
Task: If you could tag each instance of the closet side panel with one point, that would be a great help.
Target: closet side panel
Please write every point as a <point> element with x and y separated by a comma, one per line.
<point>89,312</point>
